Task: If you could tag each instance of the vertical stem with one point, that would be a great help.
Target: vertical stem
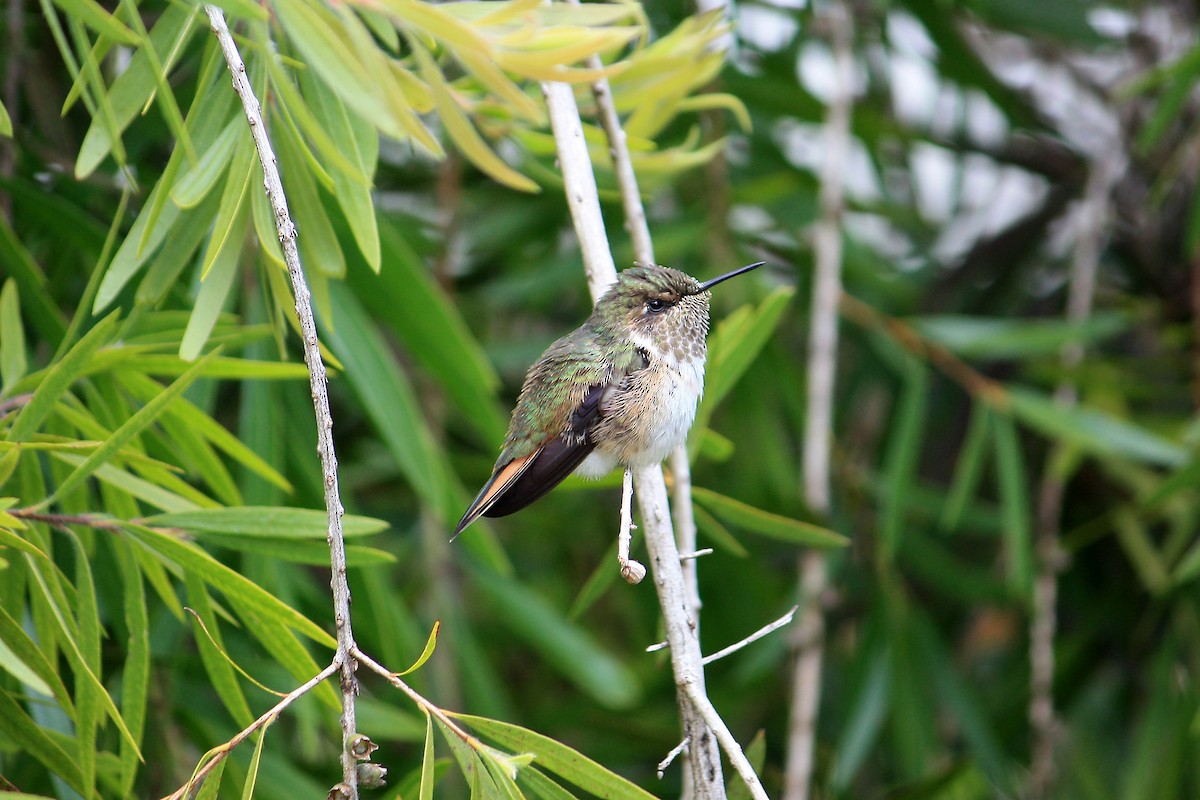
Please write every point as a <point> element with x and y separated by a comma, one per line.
<point>583,200</point>
<point>1043,720</point>
<point>318,383</point>
<point>818,427</point>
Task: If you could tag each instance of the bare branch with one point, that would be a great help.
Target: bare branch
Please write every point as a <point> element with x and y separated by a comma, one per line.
<point>671,756</point>
<point>580,186</point>
<point>818,428</point>
<point>221,751</point>
<point>632,571</point>
<point>317,381</point>
<point>754,637</point>
<point>732,749</point>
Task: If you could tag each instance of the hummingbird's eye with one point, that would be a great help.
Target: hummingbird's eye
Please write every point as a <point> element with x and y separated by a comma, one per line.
<point>656,305</point>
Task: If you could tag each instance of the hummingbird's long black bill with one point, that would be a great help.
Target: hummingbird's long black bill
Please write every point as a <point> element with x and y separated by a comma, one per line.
<point>704,287</point>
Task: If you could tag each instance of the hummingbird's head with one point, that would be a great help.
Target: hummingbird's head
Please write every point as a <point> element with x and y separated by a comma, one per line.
<point>663,307</point>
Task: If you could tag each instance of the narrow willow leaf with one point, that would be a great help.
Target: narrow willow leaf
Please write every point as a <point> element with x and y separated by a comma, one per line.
<point>95,17</point>
<point>288,651</point>
<point>41,310</point>
<point>210,789</point>
<point>30,655</point>
<point>10,539</point>
<point>866,714</point>
<point>163,94</point>
<point>152,492</point>
<point>409,299</point>
<point>384,391</point>
<point>299,551</point>
<point>87,702</point>
<point>434,21</point>
<point>231,210</point>
<point>240,591</point>
<point>322,40</point>
<point>1014,499</point>
<point>12,336</point>
<point>1093,430</point>
<point>471,765</point>
<point>968,468</point>
<point>736,342</point>
<point>430,644</point>
<point>980,337</point>
<point>194,186</point>
<point>67,637</point>
<point>352,195</point>
<point>301,523</point>
<point>135,679</point>
<point>144,417</point>
<point>11,663</point>
<point>206,633</point>
<point>712,528</point>
<point>906,434</point>
<point>32,740</point>
<point>219,278</point>
<point>566,647</point>
<point>602,578</point>
<point>1142,553</point>
<point>427,755</point>
<point>462,131</point>
<point>541,786</point>
<point>133,88</point>
<point>1189,565</point>
<point>255,758</point>
<point>319,248</point>
<point>556,757</point>
<point>6,128</point>
<point>59,378</point>
<point>140,243</point>
<point>762,522</point>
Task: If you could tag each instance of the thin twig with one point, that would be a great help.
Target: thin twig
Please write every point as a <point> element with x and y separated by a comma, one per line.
<point>632,571</point>
<point>583,200</point>
<point>671,756</point>
<point>818,428</point>
<point>754,637</point>
<point>224,750</point>
<point>318,383</point>
<point>413,695</point>
<point>1043,720</point>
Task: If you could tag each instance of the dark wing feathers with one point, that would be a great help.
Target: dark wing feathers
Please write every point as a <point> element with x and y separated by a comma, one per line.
<point>517,483</point>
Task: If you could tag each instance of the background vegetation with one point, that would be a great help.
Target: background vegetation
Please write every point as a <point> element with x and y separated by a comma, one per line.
<point>1004,154</point>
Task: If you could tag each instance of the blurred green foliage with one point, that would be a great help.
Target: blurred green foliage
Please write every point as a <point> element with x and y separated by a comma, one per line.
<point>152,392</point>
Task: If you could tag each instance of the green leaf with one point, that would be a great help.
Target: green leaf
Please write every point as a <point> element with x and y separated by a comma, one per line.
<point>132,90</point>
<point>736,342</point>
<point>981,337</point>
<point>6,128</point>
<point>301,523</point>
<point>385,392</point>
<point>58,379</point>
<point>1014,498</point>
<point>567,647</point>
<point>408,298</point>
<point>32,740</point>
<point>206,632</point>
<point>319,248</point>
<point>968,468</point>
<point>11,663</point>
<point>142,419</point>
<point>95,17</point>
<point>1093,430</point>
<point>468,140</point>
<point>135,679</point>
<point>427,778</point>
<point>556,757</point>
<point>12,336</point>
<point>194,186</point>
<point>866,715</point>
<point>430,644</point>
<point>240,591</point>
<point>255,758</point>
<point>218,280</point>
<point>903,452</point>
<point>786,529</point>
<point>19,643</point>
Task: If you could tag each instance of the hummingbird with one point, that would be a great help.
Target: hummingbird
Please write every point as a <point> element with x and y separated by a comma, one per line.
<point>619,390</point>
